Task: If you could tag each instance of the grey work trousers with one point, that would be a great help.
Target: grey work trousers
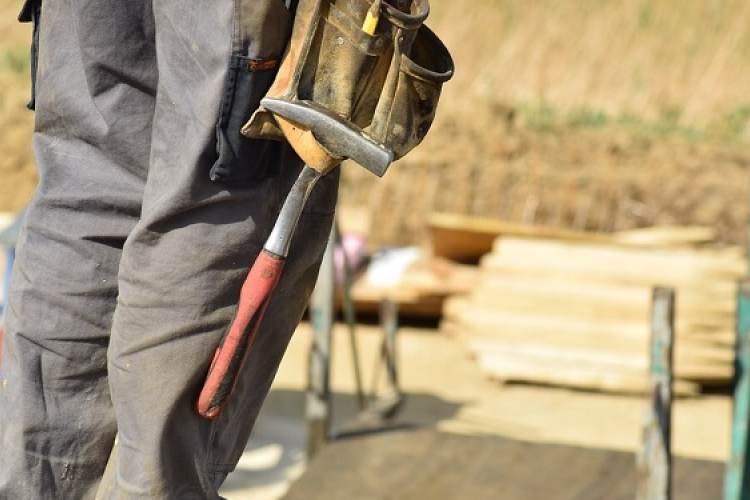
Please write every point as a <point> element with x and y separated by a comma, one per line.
<point>149,212</point>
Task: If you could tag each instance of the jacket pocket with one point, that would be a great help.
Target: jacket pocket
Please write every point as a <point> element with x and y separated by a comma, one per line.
<point>30,13</point>
<point>241,159</point>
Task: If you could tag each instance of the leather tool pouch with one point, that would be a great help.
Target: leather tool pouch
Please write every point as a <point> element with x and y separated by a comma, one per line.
<point>404,122</point>
<point>386,84</point>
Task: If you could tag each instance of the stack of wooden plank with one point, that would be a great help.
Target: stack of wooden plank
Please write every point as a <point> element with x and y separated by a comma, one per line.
<point>576,313</point>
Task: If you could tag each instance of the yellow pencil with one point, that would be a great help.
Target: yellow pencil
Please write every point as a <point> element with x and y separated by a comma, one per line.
<point>373,16</point>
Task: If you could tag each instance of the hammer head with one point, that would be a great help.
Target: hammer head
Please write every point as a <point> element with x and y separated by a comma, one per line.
<point>337,136</point>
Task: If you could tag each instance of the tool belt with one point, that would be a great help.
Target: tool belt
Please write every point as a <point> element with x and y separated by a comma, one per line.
<point>378,81</point>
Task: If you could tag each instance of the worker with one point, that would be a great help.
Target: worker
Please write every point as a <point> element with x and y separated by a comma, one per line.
<point>150,209</point>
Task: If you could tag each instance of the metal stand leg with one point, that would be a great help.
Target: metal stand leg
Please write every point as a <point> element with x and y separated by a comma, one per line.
<point>386,405</point>
<point>347,307</point>
<point>655,458</point>
<point>383,406</point>
<point>736,485</point>
<point>389,320</point>
<point>318,409</point>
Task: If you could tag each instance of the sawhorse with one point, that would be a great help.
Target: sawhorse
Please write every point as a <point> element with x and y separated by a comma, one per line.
<point>322,311</point>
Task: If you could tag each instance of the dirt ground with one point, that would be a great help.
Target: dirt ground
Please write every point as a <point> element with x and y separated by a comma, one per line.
<point>446,390</point>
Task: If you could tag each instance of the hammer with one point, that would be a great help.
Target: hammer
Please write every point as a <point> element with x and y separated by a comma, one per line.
<point>322,139</point>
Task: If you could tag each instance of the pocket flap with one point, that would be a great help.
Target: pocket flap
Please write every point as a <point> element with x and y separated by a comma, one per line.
<point>27,12</point>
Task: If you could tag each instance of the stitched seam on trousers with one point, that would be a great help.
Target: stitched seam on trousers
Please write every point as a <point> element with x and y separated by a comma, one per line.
<point>212,433</point>
<point>236,28</point>
<point>220,468</point>
<point>228,98</point>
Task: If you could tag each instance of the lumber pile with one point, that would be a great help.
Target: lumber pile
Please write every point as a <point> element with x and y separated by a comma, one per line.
<point>576,313</point>
<point>464,238</point>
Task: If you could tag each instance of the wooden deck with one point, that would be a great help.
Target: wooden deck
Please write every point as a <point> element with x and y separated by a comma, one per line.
<point>425,464</point>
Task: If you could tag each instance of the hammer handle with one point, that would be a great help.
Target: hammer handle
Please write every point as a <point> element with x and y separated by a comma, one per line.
<point>235,346</point>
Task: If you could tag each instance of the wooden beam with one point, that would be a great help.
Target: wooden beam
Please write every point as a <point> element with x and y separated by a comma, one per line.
<point>654,459</point>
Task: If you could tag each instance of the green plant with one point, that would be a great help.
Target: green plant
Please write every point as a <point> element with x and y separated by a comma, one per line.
<point>14,60</point>
<point>542,116</point>
<point>732,124</point>
<point>587,118</point>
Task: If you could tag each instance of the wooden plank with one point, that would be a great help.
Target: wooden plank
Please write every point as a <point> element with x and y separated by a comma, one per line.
<point>563,297</point>
<point>550,333</point>
<point>607,359</point>
<point>571,374</point>
<point>465,238</point>
<point>530,362</point>
<point>654,458</point>
<point>631,272</point>
<point>501,271</point>
<point>726,257</point>
<point>693,361</point>
<point>687,360</point>
<point>661,236</point>
<point>591,258</point>
<point>484,334</point>
<point>472,317</point>
<point>579,272</point>
<point>584,320</point>
<point>689,322</point>
<point>496,287</point>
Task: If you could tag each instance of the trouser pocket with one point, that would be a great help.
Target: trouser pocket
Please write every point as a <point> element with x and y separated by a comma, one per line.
<point>261,30</point>
<point>30,13</point>
<point>241,159</point>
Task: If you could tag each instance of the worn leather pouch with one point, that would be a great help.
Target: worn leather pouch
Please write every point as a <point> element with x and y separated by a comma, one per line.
<point>386,83</point>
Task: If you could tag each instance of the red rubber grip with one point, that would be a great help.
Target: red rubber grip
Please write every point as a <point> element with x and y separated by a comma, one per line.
<point>235,346</point>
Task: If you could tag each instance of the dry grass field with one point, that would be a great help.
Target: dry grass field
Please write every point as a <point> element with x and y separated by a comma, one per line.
<point>589,115</point>
<point>651,60</point>
<point>17,175</point>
